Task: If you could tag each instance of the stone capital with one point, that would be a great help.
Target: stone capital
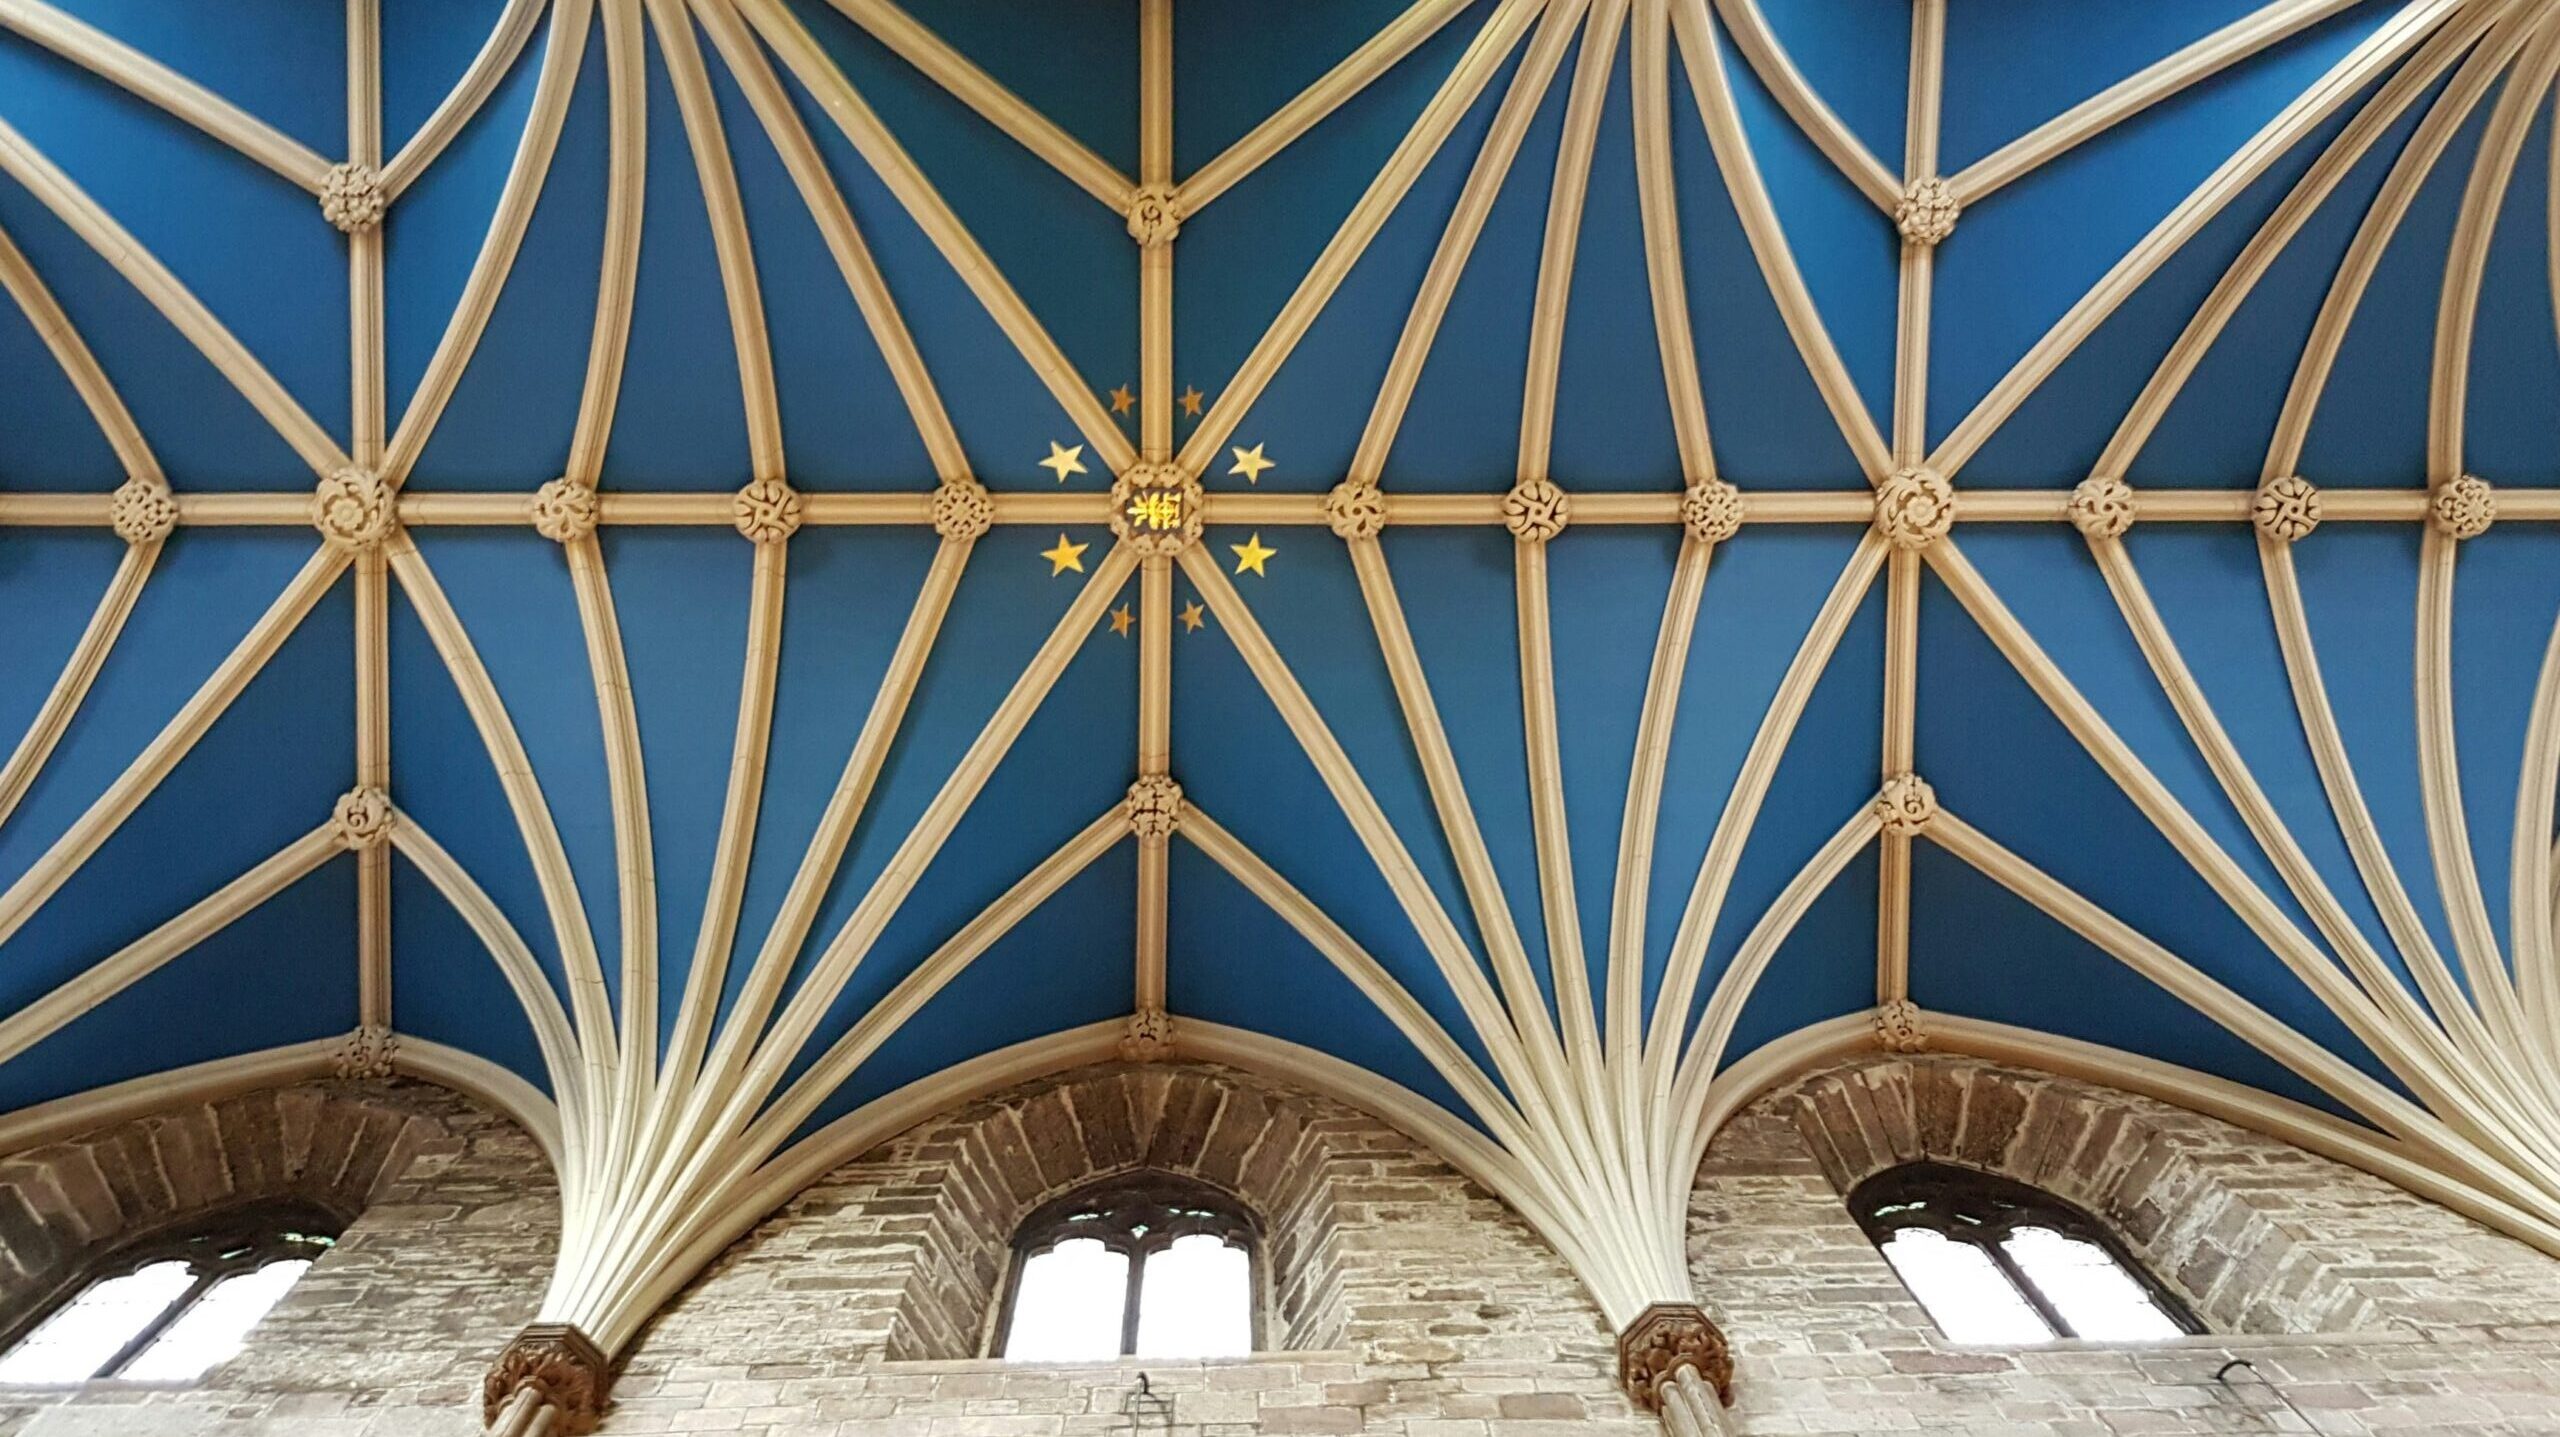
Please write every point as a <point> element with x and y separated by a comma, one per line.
<point>1664,1339</point>
<point>562,1366</point>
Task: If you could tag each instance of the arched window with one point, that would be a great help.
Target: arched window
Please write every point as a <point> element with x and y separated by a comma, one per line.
<point>169,1308</point>
<point>1152,1266</point>
<point>1996,1261</point>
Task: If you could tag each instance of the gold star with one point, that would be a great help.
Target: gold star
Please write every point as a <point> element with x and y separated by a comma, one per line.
<point>1064,557</point>
<point>1250,464</point>
<point>1193,616</point>
<point>1063,461</point>
<point>1250,555</point>
<point>1121,618</point>
<point>1191,398</point>
<point>1122,401</point>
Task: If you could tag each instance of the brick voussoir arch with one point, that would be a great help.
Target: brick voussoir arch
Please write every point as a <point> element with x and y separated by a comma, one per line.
<point>69,1202</point>
<point>2203,1204</point>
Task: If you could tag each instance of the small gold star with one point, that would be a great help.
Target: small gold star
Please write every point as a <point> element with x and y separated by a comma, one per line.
<point>1063,461</point>
<point>1064,557</point>
<point>1191,398</point>
<point>1250,463</point>
<point>1121,618</point>
<point>1250,555</point>
<point>1193,616</point>
<point>1122,401</point>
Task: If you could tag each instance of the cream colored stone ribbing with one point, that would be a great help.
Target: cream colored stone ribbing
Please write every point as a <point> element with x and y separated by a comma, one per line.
<point>1566,197</point>
<point>748,751</point>
<point>697,1146</point>
<point>1155,443</point>
<point>1456,95</point>
<point>2447,1147</point>
<point>496,56</point>
<point>2317,184</point>
<point>1578,1017</point>
<point>973,87</point>
<point>2438,1088</point>
<point>805,58</point>
<point>79,365</point>
<point>1377,55</point>
<point>154,83</point>
<point>41,1018</point>
<point>2139,91</point>
<point>564,47</point>
<point>1742,806</point>
<point>589,1006</point>
<point>848,1053</point>
<point>52,188</point>
<point>79,671</point>
<point>2344,80</point>
<point>826,205</point>
<point>1657,204</point>
<point>94,827</point>
<point>366,426</point>
<point>1752,36</point>
<point>726,209</point>
<point>1511,118</point>
<point>1703,59</point>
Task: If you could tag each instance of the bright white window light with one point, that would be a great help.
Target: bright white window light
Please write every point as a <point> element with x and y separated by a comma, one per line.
<point>2092,1291</point>
<point>1069,1304</point>
<point>84,1336</point>
<point>1197,1300</point>
<point>216,1326</point>
<point>1964,1291</point>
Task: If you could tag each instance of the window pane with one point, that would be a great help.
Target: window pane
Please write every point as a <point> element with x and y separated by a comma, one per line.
<point>2088,1287</point>
<point>1196,1300</point>
<point>74,1343</point>
<point>214,1328</point>
<point>1069,1305</point>
<point>1965,1292</point>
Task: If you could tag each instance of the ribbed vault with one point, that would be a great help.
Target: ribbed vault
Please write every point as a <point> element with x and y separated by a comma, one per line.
<point>728,574</point>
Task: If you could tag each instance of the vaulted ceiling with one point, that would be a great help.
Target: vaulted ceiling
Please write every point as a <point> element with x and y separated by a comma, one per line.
<point>740,779</point>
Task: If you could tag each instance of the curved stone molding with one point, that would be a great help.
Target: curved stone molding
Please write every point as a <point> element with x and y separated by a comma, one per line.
<point>2103,507</point>
<point>1666,1338</point>
<point>1536,511</point>
<point>352,197</point>
<point>2464,507</point>
<point>1915,508</point>
<point>1155,508</point>
<point>1155,217</point>
<point>1905,804</point>
<point>962,509</point>
<point>362,817</point>
<point>767,511</point>
<point>1355,509</point>
<point>564,1370</point>
<point>2287,508</point>
<point>1900,1027</point>
<point>143,511</point>
<point>353,509</point>
<point>1149,1036</point>
<point>1928,211</point>
<point>1155,806</point>
<point>565,510</point>
<point>367,1053</point>
<point>1711,510</point>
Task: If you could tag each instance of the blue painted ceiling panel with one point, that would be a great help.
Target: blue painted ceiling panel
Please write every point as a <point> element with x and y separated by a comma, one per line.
<point>446,988</point>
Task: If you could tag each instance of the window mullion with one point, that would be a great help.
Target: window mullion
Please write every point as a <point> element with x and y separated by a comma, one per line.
<point>150,1333</point>
<point>1129,1302</point>
<point>2026,1286</point>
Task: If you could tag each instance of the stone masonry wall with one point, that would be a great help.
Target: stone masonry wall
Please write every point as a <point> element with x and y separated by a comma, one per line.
<point>2433,1324</point>
<point>1442,1314</point>
<point>389,1333</point>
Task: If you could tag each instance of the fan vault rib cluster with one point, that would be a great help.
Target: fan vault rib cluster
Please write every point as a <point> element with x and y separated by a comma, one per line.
<point>1605,588</point>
